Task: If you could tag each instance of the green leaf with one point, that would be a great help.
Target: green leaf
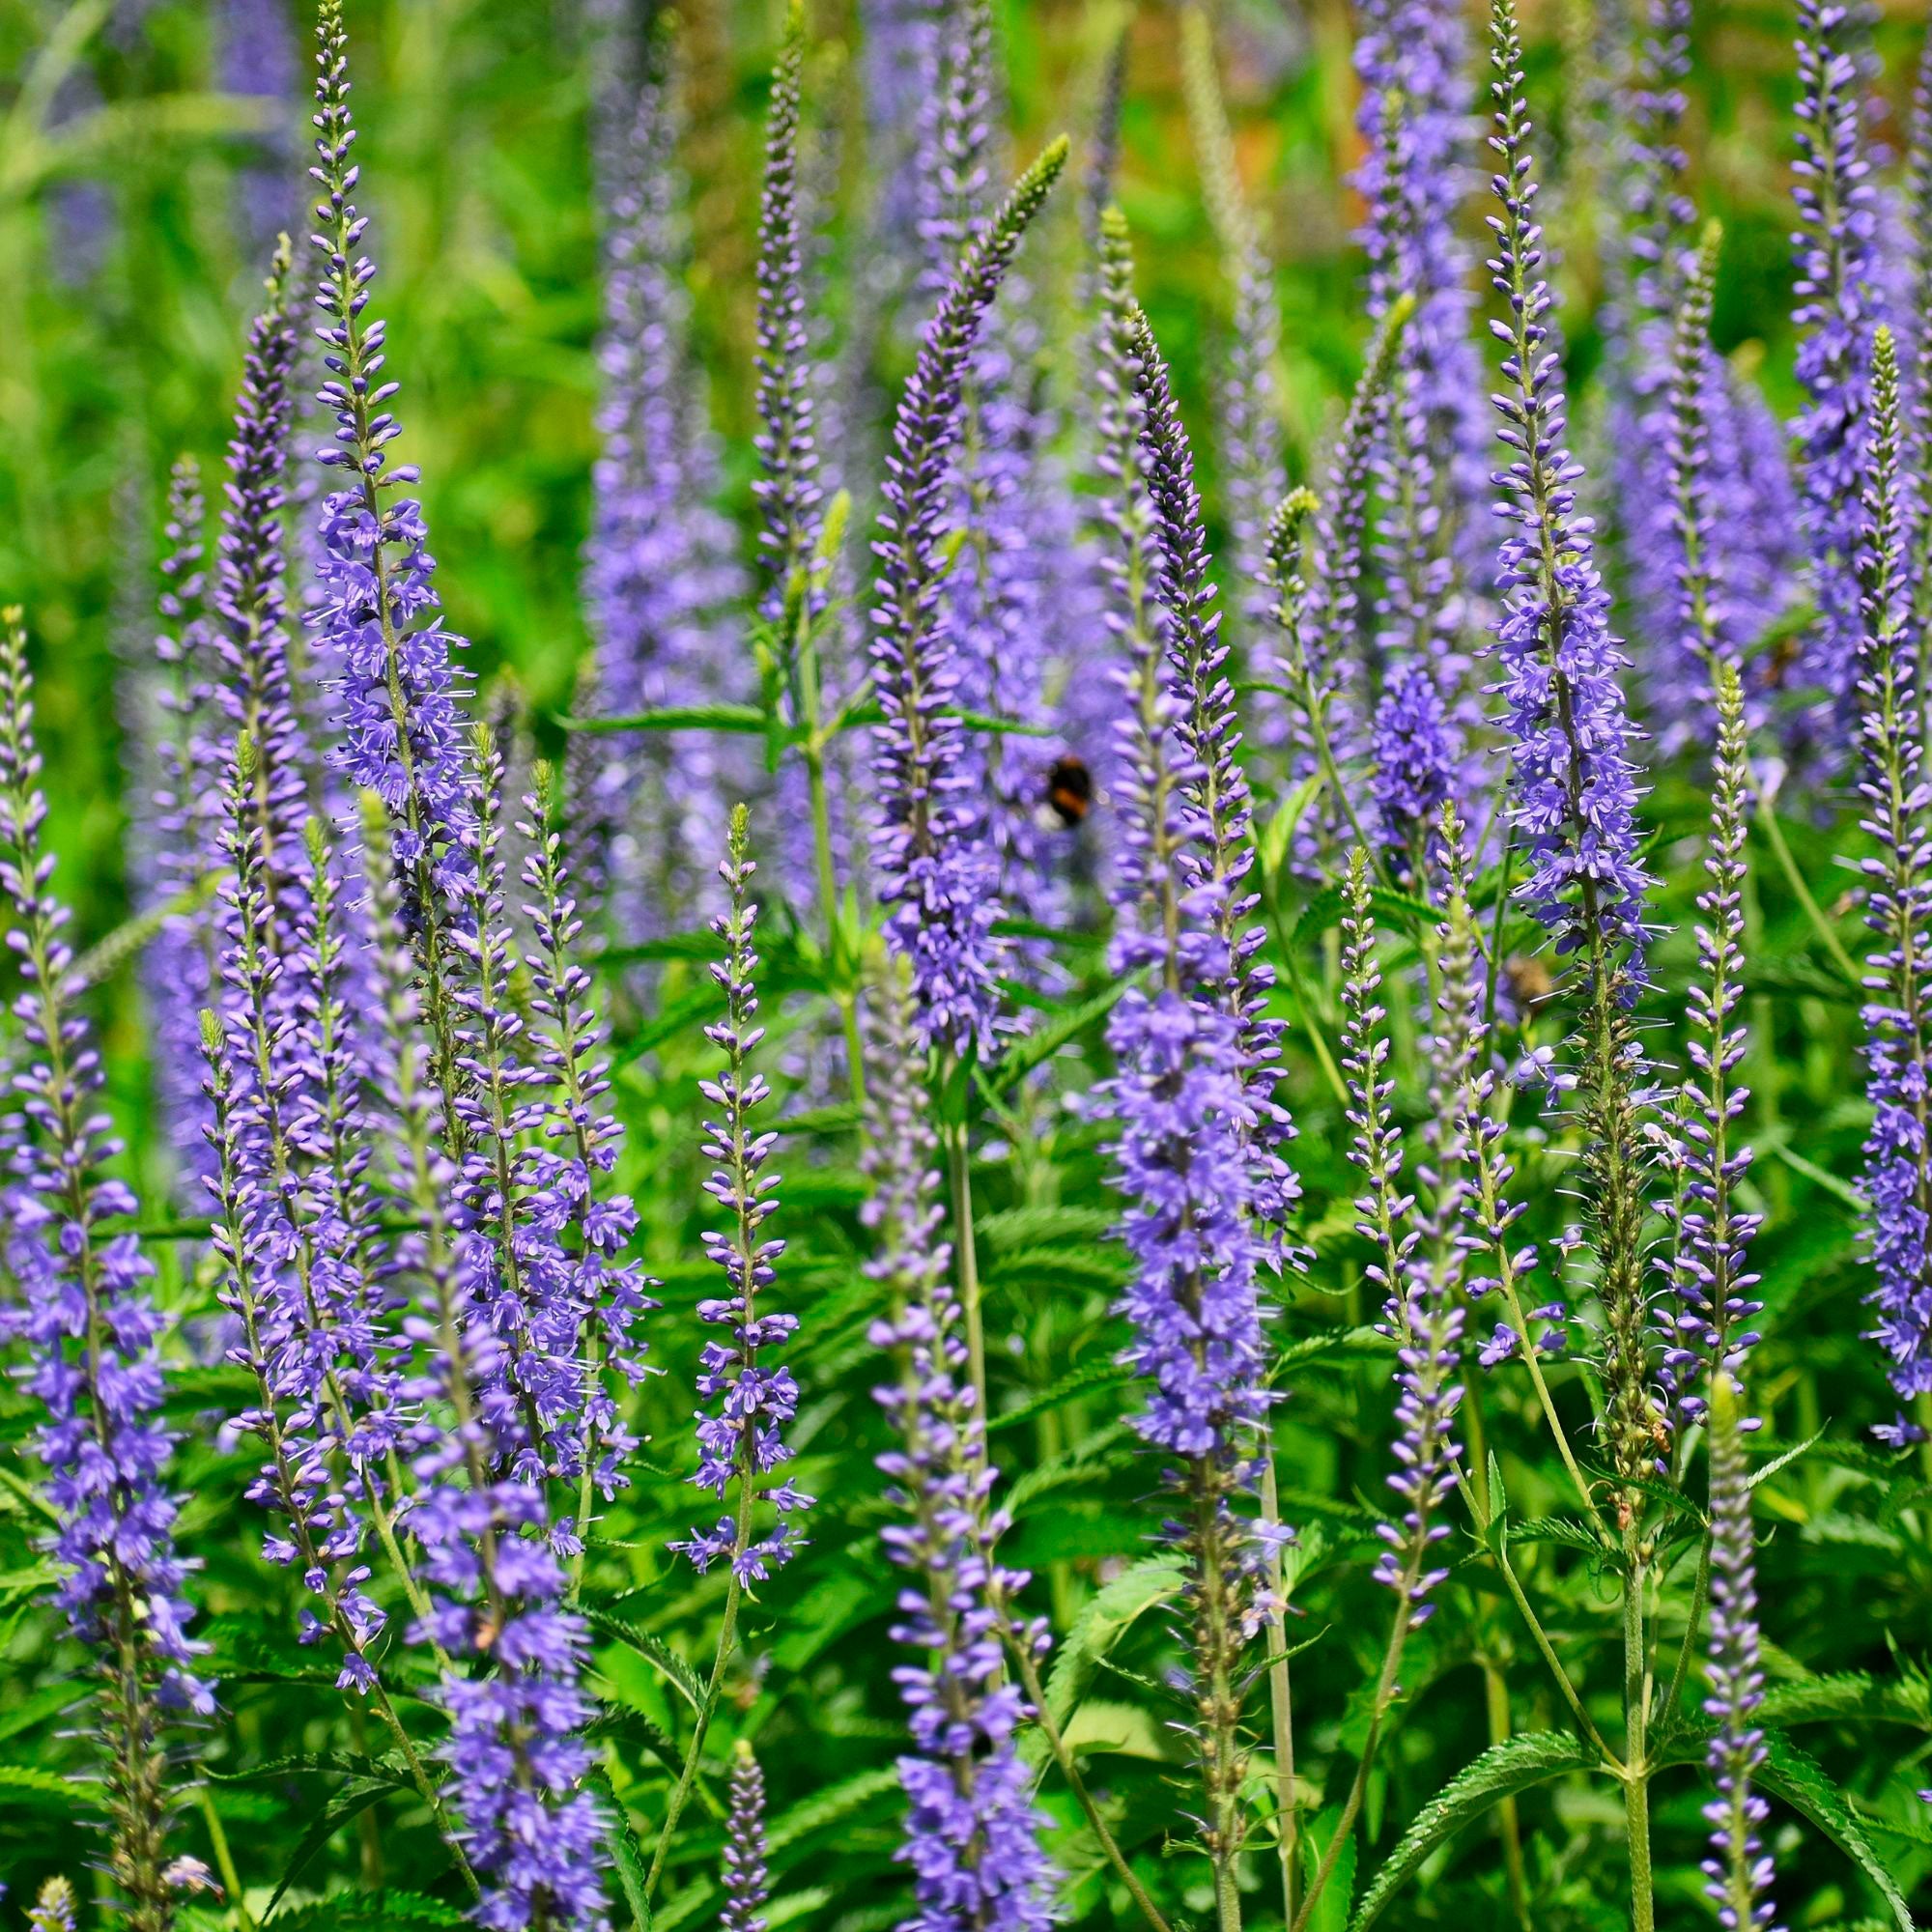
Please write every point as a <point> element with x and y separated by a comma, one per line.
<point>26,1778</point>
<point>1331,1909</point>
<point>1516,1764</point>
<point>24,1713</point>
<point>1106,1374</point>
<point>1396,908</point>
<point>1033,1227</point>
<point>818,1120</point>
<point>626,1854</point>
<point>679,1017</point>
<point>1790,1772</point>
<point>746,718</point>
<point>1287,821</point>
<point>1044,1042</point>
<point>652,1649</point>
<point>696,946</point>
<point>828,1807</point>
<point>316,1764</point>
<point>347,1806</point>
<point>1110,1614</point>
<point>354,1911</point>
<point>1785,1457</point>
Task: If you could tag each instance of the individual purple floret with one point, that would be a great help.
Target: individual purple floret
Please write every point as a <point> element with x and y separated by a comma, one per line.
<point>934,869</point>
<point>1838,215</point>
<point>489,1597</point>
<point>1898,908</point>
<point>1572,790</point>
<point>378,627</point>
<point>1740,1871</point>
<point>81,1304</point>
<point>1709,1269</point>
<point>259,61</point>
<point>746,1880</point>
<point>972,1835</point>
<point>660,566</point>
<point>743,1442</point>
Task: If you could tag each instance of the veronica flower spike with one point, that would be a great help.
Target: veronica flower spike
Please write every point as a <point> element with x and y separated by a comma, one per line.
<point>934,869</point>
<point>743,1442</point>
<point>509,1655</point>
<point>379,625</point>
<point>972,1835</point>
<point>81,1306</point>
<point>1898,908</point>
<point>1740,1869</point>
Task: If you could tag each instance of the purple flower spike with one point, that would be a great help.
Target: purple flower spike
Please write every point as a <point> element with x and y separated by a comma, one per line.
<point>81,1303</point>
<point>935,870</point>
<point>1709,1269</point>
<point>378,627</point>
<point>1835,246</point>
<point>1898,902</point>
<point>1573,792</point>
<point>660,566</point>
<point>1740,1871</point>
<point>747,1881</point>
<point>743,1442</point>
<point>259,58</point>
<point>972,1833</point>
<point>1419,1312</point>
<point>489,1598</point>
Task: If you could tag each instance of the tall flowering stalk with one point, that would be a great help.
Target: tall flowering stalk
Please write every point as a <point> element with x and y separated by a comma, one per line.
<point>1413,58</point>
<point>1835,244</point>
<point>492,1587</point>
<point>1710,1267</point>
<point>1214,788</point>
<point>659,565</point>
<point>178,827</point>
<point>1421,1316</point>
<point>1740,1869</point>
<point>1198,1131</point>
<point>250,637</point>
<point>743,1442</point>
<point>1918,307</point>
<point>92,1333</point>
<point>378,624</point>
<point>567,1040</point>
<point>934,871</point>
<point>972,1835</point>
<point>1898,908</point>
<point>1572,811</point>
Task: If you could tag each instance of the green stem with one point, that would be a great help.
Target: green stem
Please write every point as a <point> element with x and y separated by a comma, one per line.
<point>1062,1756</point>
<point>1767,818</point>
<point>959,1165</point>
<point>1636,1766</point>
<point>224,1861</point>
<point>1281,1705</point>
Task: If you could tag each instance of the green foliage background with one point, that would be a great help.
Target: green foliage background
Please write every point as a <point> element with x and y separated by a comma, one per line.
<point>474,145</point>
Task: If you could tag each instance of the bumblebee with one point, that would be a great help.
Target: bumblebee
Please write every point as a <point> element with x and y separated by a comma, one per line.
<point>1069,790</point>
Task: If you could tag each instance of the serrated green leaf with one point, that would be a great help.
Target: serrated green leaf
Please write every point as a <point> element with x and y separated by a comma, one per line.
<point>1029,1227</point>
<point>652,1649</point>
<point>1039,1045</point>
<point>1790,1772</point>
<point>829,1806</point>
<point>24,1713</point>
<point>343,1808</point>
<point>316,1764</point>
<point>1098,1267</point>
<point>354,1911</point>
<point>626,1854</point>
<point>1106,1374</point>
<point>27,1778</point>
<point>1516,1764</point>
<point>1109,1614</point>
<point>1784,1458</point>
